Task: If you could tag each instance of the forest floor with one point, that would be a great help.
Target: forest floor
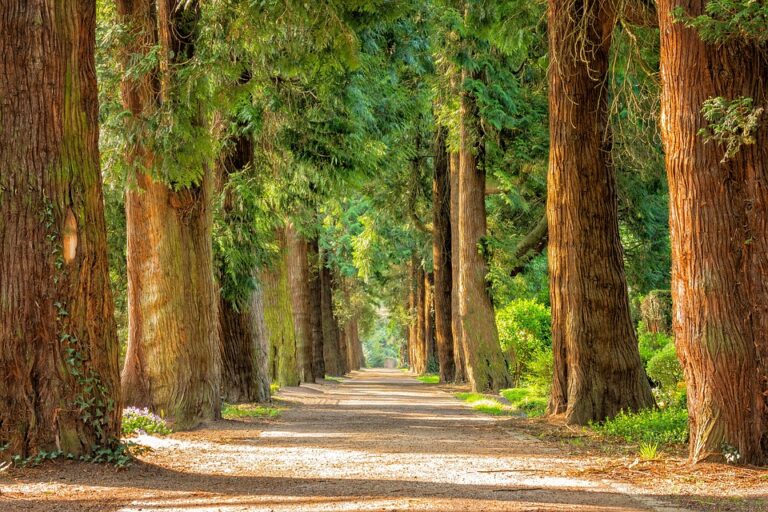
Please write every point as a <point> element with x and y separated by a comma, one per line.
<point>378,440</point>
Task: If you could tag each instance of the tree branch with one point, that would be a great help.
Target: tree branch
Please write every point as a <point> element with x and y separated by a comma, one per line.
<point>530,246</point>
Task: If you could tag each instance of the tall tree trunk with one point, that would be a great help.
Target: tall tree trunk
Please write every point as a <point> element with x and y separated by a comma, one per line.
<point>173,361</point>
<point>332,355</point>
<point>242,332</point>
<point>245,351</point>
<point>429,320</point>
<point>719,234</point>
<point>458,347</point>
<point>278,316</point>
<point>441,254</point>
<point>598,371</point>
<point>58,343</point>
<point>298,273</point>
<point>485,364</point>
<point>419,362</point>
<point>315,310</point>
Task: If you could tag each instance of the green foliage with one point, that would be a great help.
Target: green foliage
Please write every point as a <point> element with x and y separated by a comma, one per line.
<point>729,20</point>
<point>138,421</point>
<point>529,400</point>
<point>239,411</point>
<point>649,451</point>
<point>665,370</point>
<point>650,343</point>
<point>430,378</point>
<point>524,329</point>
<point>542,368</point>
<point>663,426</point>
<point>485,404</point>
<point>731,122</point>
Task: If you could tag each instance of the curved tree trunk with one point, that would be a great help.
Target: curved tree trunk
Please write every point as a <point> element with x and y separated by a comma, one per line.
<point>278,317</point>
<point>441,253</point>
<point>245,355</point>
<point>315,310</point>
<point>58,343</point>
<point>598,371</point>
<point>719,234</point>
<point>298,274</point>
<point>458,347</point>
<point>485,364</point>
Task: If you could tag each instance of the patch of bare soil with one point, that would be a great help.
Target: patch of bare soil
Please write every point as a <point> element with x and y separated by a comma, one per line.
<point>380,440</point>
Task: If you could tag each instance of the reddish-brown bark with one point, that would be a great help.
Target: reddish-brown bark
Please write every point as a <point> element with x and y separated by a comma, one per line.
<point>315,310</point>
<point>58,343</point>
<point>458,347</point>
<point>598,371</point>
<point>719,235</point>
<point>298,276</point>
<point>485,364</point>
<point>441,253</point>
<point>173,357</point>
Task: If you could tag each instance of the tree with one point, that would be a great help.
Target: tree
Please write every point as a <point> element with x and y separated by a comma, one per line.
<point>299,279</point>
<point>485,365</point>
<point>59,360</point>
<point>598,371</point>
<point>173,356</point>
<point>278,316</point>
<point>718,201</point>
<point>441,247</point>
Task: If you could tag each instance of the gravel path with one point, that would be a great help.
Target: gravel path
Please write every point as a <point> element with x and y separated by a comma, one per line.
<point>380,440</point>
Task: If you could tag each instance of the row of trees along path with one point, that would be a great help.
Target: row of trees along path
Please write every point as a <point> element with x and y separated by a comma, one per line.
<point>187,347</point>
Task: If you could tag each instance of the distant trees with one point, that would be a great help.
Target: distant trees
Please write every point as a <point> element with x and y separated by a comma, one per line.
<point>58,345</point>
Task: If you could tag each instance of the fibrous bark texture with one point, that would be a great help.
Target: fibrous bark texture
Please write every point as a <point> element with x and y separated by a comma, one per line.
<point>458,347</point>
<point>173,360</point>
<point>485,364</point>
<point>278,317</point>
<point>298,274</point>
<point>441,252</point>
<point>719,234</point>
<point>598,371</point>
<point>315,310</point>
<point>245,351</point>
<point>335,362</point>
<point>58,344</point>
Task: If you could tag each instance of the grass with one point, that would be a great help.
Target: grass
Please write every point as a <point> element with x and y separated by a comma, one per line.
<point>526,399</point>
<point>649,451</point>
<point>486,404</point>
<point>429,378</point>
<point>231,412</point>
<point>661,426</point>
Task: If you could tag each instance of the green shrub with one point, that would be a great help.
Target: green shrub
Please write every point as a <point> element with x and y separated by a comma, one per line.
<point>541,368</point>
<point>527,399</point>
<point>524,329</point>
<point>665,370</point>
<point>650,343</point>
<point>142,421</point>
<point>661,426</point>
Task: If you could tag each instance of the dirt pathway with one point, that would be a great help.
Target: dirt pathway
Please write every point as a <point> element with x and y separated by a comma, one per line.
<point>378,441</point>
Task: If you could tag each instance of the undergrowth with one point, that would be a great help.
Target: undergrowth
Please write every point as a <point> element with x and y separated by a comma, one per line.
<point>231,412</point>
<point>662,426</point>
<point>429,378</point>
